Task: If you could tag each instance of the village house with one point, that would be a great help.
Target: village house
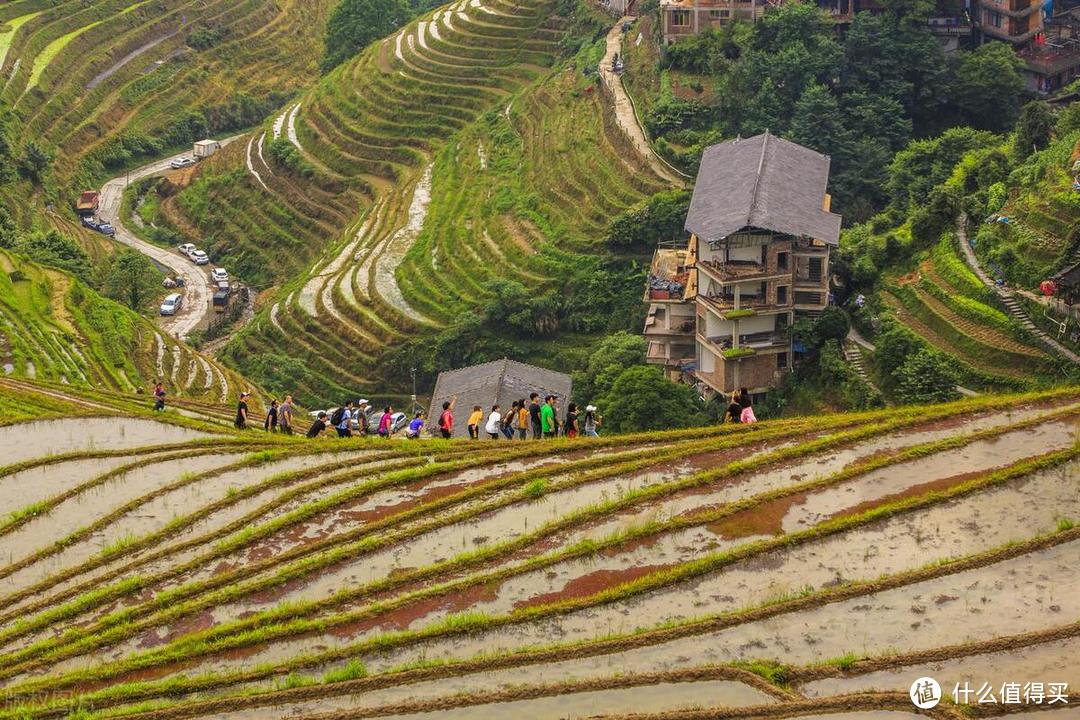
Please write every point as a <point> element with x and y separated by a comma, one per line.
<point>757,259</point>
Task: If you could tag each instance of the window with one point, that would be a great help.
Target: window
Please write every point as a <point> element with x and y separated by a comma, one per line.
<point>781,295</point>
<point>781,261</point>
<point>719,14</point>
<point>680,18</point>
<point>781,361</point>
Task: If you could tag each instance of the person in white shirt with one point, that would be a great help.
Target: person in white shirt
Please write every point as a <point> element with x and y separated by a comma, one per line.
<point>492,426</point>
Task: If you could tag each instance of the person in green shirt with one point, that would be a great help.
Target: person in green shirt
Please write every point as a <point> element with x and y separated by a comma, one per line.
<point>547,416</point>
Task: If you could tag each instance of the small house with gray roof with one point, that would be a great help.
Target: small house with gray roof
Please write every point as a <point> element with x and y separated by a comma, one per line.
<point>500,382</point>
<point>758,257</point>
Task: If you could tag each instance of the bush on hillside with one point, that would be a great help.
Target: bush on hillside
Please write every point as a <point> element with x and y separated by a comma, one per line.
<point>641,398</point>
<point>612,356</point>
<point>130,278</point>
<point>59,251</point>
<point>657,219</point>
<point>926,377</point>
<point>287,156</point>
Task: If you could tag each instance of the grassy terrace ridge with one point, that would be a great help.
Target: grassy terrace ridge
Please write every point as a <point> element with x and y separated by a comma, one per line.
<point>111,626</point>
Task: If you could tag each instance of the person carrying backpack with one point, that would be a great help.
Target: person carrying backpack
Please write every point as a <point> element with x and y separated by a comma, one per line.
<point>342,420</point>
<point>446,420</point>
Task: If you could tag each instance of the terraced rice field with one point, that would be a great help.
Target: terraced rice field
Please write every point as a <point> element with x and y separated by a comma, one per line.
<point>805,567</point>
<point>54,330</point>
<point>946,305</point>
<point>462,149</point>
<point>95,82</point>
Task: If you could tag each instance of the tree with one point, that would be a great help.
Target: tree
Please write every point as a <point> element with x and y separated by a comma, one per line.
<point>988,84</point>
<point>130,278</point>
<point>641,398</point>
<point>927,376</point>
<point>34,161</point>
<point>354,24</point>
<point>925,164</point>
<point>894,346</point>
<point>612,356</point>
<point>657,218</point>
<point>1033,129</point>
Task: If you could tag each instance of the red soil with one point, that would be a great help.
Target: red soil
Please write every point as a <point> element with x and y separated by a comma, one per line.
<point>591,584</point>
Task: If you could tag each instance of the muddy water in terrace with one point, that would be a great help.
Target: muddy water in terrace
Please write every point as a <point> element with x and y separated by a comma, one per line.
<point>1035,592</point>
<point>26,441</point>
<point>1048,662</point>
<point>41,483</point>
<point>209,522</point>
<point>976,456</point>
<point>447,541</point>
<point>158,512</point>
<point>644,698</point>
<point>747,583</point>
<point>582,577</point>
<point>812,467</point>
<point>1014,512</point>
<point>88,506</point>
<point>387,502</point>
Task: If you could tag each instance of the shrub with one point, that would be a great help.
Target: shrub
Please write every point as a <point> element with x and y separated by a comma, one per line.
<point>925,377</point>
<point>641,398</point>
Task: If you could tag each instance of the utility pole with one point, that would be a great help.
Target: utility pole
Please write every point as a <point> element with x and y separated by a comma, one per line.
<point>412,371</point>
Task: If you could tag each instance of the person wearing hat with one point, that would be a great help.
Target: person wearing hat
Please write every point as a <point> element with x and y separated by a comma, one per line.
<point>361,415</point>
<point>591,421</point>
<point>242,411</point>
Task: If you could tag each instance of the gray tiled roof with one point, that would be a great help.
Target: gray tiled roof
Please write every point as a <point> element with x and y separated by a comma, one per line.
<point>501,381</point>
<point>762,182</point>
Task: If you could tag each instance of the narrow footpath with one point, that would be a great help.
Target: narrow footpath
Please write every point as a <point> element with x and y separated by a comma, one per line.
<point>624,109</point>
<point>1008,298</point>
<point>196,290</point>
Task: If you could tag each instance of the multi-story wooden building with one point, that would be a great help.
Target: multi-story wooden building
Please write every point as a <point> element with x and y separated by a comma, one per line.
<point>758,257</point>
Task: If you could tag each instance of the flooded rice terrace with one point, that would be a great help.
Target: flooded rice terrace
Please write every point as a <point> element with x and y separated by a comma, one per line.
<point>770,569</point>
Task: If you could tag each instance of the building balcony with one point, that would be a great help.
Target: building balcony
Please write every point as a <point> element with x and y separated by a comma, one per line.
<point>722,304</point>
<point>950,26</point>
<point>660,324</point>
<point>749,344</point>
<point>670,354</point>
<point>735,271</point>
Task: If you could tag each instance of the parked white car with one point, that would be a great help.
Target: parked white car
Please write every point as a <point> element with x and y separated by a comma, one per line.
<point>171,304</point>
<point>219,275</point>
<point>182,162</point>
<point>187,249</point>
<point>199,257</point>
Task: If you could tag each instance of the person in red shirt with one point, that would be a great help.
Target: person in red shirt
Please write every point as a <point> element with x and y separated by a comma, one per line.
<point>446,420</point>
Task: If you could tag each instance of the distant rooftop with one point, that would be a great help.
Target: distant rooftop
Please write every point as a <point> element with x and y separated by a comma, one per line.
<point>762,182</point>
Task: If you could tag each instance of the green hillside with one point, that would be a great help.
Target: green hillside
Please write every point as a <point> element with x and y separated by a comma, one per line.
<point>451,185</point>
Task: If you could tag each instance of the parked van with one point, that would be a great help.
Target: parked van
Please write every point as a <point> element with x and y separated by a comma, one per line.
<point>171,304</point>
<point>221,301</point>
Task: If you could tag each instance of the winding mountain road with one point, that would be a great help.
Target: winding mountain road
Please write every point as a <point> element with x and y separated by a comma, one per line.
<point>196,290</point>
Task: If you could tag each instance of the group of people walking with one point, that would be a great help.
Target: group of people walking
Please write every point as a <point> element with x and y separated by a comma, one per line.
<point>524,419</point>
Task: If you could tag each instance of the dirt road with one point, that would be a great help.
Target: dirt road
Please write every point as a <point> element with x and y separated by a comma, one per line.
<point>196,289</point>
